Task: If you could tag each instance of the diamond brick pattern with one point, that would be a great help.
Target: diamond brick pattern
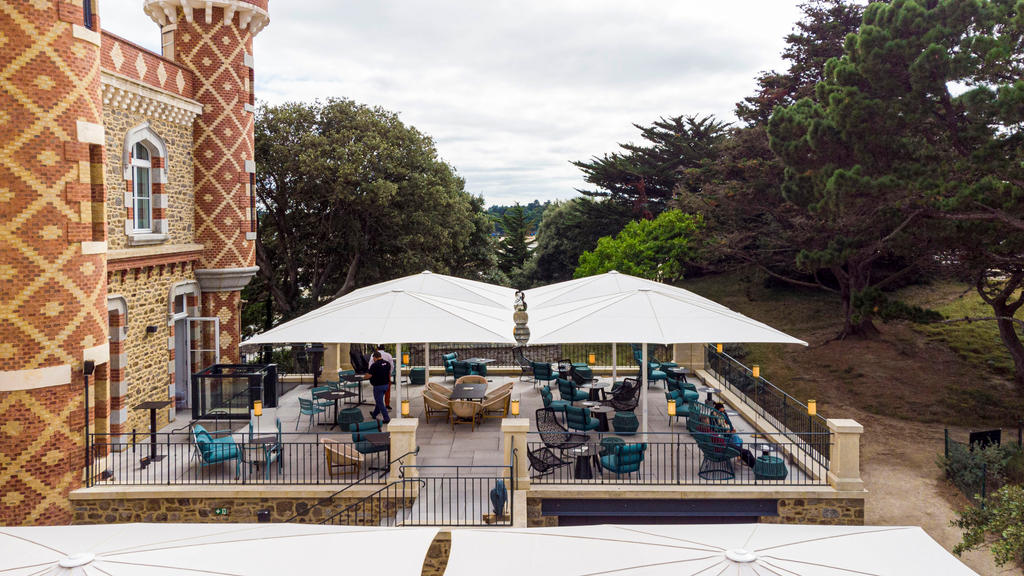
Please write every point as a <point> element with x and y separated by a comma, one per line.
<point>52,296</point>
<point>121,56</point>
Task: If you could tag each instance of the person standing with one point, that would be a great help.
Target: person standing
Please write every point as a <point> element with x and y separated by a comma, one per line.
<point>391,362</point>
<point>380,378</point>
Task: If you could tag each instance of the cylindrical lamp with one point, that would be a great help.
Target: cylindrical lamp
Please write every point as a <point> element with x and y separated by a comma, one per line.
<point>591,358</point>
<point>718,348</point>
<point>812,407</point>
<point>257,408</point>
<point>405,408</point>
<point>671,408</point>
<point>513,408</point>
<point>405,359</point>
<point>755,371</point>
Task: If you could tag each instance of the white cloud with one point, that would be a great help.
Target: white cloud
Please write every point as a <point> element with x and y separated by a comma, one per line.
<point>513,91</point>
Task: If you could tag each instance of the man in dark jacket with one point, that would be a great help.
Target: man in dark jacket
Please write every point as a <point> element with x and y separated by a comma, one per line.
<point>380,377</point>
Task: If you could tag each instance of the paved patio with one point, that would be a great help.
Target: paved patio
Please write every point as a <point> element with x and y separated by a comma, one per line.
<point>672,456</point>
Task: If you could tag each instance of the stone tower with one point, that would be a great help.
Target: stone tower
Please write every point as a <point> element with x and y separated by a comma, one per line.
<point>53,289</point>
<point>213,38</point>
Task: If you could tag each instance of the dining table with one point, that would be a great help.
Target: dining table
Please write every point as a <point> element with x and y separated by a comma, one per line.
<point>469,391</point>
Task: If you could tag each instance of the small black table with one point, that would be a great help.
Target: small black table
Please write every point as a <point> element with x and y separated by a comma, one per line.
<point>595,389</point>
<point>469,391</point>
<point>602,412</point>
<point>679,372</point>
<point>710,392</point>
<point>357,378</point>
<point>582,470</point>
<point>335,395</point>
<point>153,406</point>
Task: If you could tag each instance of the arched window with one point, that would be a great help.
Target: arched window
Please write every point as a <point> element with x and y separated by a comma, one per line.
<point>142,191</point>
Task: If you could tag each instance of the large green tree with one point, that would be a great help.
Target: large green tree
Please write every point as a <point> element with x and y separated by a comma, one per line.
<point>661,249</point>
<point>351,196</point>
<point>644,177</point>
<point>567,230</point>
<point>513,249</point>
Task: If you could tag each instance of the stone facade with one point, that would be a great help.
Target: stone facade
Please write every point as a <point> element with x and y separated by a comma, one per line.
<point>178,163</point>
<point>147,374</point>
<point>437,555</point>
<point>839,511</point>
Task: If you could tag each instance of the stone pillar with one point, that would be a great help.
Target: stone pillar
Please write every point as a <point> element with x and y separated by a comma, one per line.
<point>689,355</point>
<point>332,361</point>
<point>403,441</point>
<point>53,271</point>
<point>513,432</point>
<point>844,464</point>
<point>214,39</point>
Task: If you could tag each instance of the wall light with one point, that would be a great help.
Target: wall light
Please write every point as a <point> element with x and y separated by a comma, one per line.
<point>152,329</point>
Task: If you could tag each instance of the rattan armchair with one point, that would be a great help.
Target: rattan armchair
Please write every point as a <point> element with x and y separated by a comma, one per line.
<point>464,411</point>
<point>434,404</point>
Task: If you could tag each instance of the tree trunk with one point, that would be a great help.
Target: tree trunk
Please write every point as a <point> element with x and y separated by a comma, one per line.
<point>852,283</point>
<point>1008,334</point>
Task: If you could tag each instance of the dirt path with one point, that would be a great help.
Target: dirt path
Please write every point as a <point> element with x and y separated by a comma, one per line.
<point>905,487</point>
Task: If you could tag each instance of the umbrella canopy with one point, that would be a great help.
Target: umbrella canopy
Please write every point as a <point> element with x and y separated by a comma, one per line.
<point>606,284</point>
<point>432,284</point>
<point>395,315</point>
<point>250,549</point>
<point>680,550</point>
<point>648,316</point>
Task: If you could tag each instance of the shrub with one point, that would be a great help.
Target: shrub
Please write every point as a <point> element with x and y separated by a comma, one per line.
<point>1000,515</point>
<point>979,470</point>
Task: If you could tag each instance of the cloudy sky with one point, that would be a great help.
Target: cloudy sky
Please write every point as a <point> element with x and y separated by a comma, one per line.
<point>512,91</point>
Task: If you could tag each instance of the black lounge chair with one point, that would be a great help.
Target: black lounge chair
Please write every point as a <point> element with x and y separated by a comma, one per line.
<point>627,397</point>
<point>554,435</point>
<point>525,364</point>
<point>544,461</point>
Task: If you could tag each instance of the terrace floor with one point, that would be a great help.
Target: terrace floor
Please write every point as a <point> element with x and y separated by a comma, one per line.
<point>672,456</point>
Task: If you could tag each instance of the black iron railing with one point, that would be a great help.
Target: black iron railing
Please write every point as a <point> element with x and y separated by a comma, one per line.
<point>174,459</point>
<point>435,496</point>
<point>769,402</point>
<point>677,459</point>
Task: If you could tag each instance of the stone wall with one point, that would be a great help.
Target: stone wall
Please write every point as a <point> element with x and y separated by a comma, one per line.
<point>146,372</point>
<point>437,555</point>
<point>180,173</point>
<point>239,510</point>
<point>534,518</point>
<point>838,511</point>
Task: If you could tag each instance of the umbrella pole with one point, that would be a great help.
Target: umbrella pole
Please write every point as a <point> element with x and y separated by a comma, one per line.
<point>398,379</point>
<point>426,362</point>
<point>615,363</point>
<point>643,384</point>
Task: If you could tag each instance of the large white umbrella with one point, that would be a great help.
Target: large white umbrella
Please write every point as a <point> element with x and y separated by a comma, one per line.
<point>433,284</point>
<point>647,316</point>
<point>606,284</point>
<point>706,550</point>
<point>243,549</point>
<point>395,315</point>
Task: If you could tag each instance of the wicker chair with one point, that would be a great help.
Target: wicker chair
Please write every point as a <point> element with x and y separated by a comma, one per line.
<point>525,364</point>
<point>554,435</point>
<point>472,379</point>
<point>434,403</point>
<point>341,455</point>
<point>464,411</point>
<point>627,397</point>
<point>439,389</point>
<point>507,387</point>
<point>496,406</point>
<point>544,461</point>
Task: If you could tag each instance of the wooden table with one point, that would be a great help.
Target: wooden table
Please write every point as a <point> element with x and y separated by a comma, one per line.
<point>469,391</point>
<point>153,406</point>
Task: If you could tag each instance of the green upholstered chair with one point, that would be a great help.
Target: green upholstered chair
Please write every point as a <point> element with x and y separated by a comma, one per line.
<point>625,459</point>
<point>359,441</point>
<point>460,369</point>
<point>550,402</point>
<point>449,361</point>
<point>542,373</point>
<point>577,418</point>
<point>569,392</point>
<point>216,447</point>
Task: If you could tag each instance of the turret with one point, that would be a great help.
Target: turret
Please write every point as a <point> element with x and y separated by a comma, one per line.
<point>53,310</point>
<point>214,39</point>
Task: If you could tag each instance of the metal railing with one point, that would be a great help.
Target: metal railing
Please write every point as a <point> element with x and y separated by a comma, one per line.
<point>175,460</point>
<point>677,459</point>
<point>434,496</point>
<point>769,402</point>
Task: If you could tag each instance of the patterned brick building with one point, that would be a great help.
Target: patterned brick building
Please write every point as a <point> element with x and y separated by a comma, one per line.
<point>126,226</point>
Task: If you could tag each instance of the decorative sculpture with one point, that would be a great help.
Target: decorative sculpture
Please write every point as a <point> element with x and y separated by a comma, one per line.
<point>499,496</point>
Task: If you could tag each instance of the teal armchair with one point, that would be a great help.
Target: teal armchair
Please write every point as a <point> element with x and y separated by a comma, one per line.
<point>550,402</point>
<point>542,373</point>
<point>580,419</point>
<point>359,441</point>
<point>216,447</point>
<point>449,361</point>
<point>624,458</point>
<point>460,369</point>
<point>569,392</point>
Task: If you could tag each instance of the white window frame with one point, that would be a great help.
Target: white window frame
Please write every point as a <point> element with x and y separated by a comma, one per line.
<point>137,165</point>
<point>157,233</point>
